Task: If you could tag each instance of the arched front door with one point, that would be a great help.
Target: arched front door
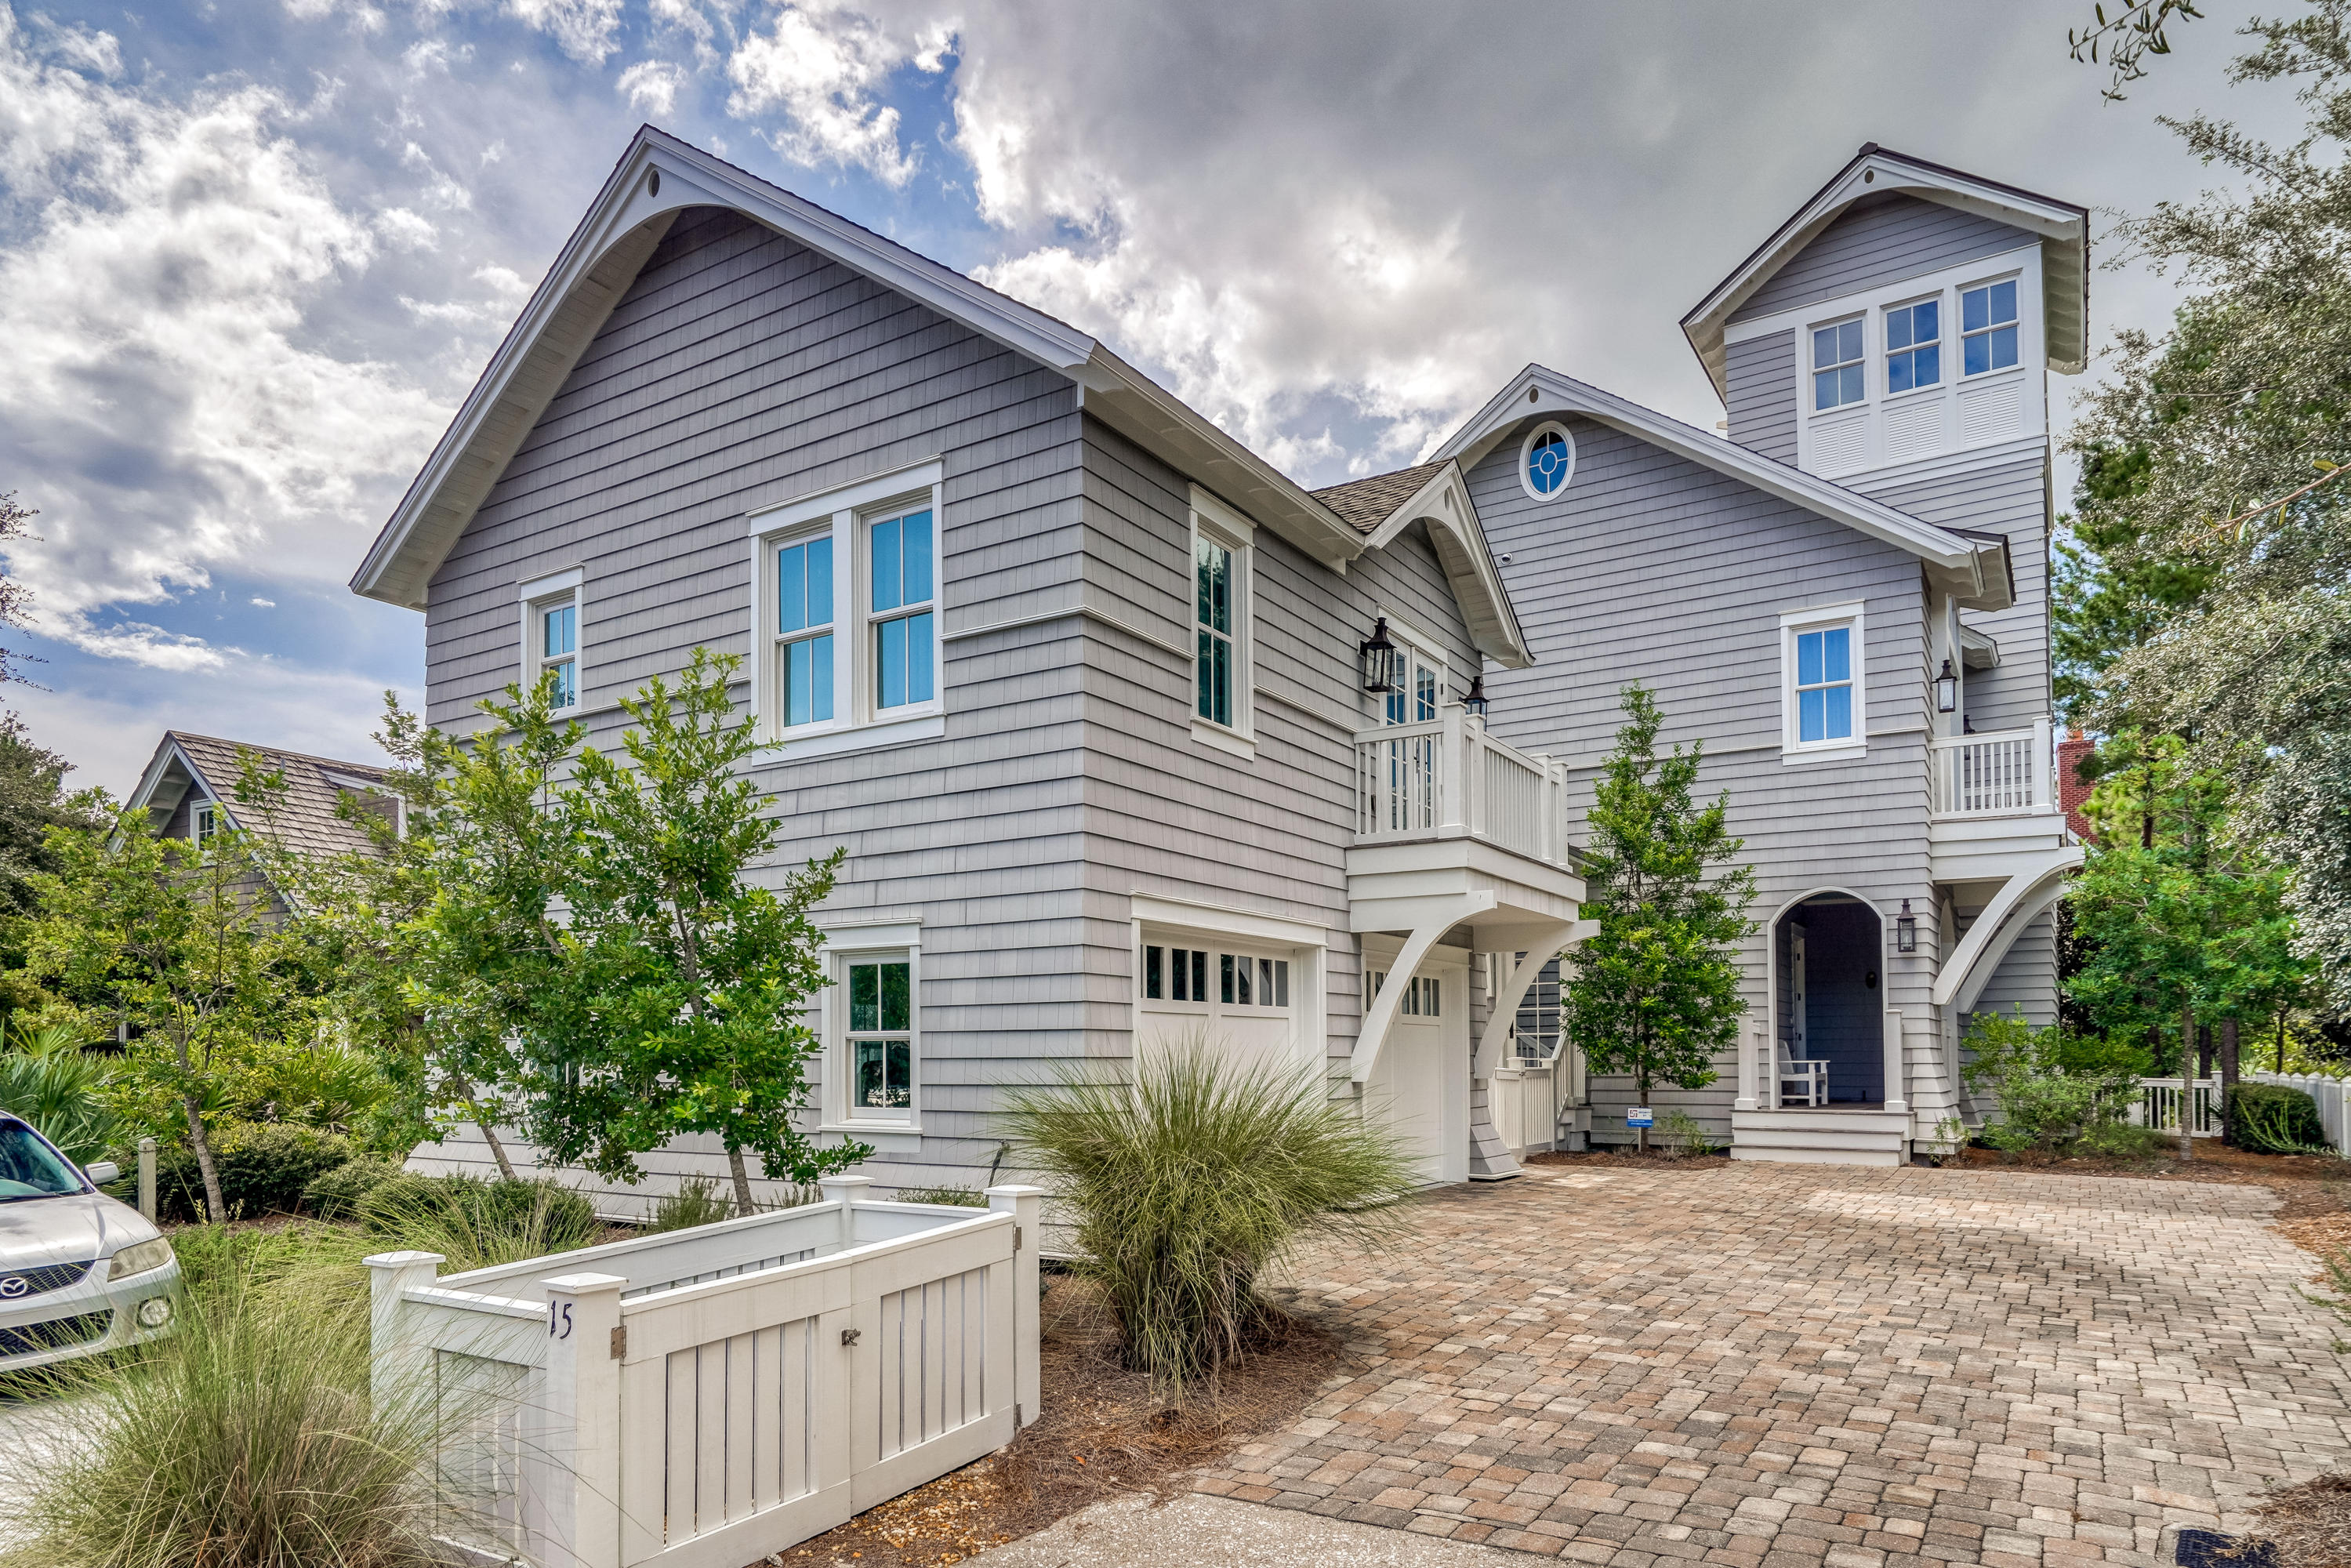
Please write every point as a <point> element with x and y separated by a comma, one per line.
<point>1830,954</point>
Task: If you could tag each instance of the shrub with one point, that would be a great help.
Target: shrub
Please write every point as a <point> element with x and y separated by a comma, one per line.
<point>479,1224</point>
<point>698,1200</point>
<point>1685,1136</point>
<point>247,1439</point>
<point>2057,1091</point>
<point>336,1195</point>
<point>2275,1119</point>
<point>1188,1183</point>
<point>951,1197</point>
<point>47,1078</point>
<point>263,1166</point>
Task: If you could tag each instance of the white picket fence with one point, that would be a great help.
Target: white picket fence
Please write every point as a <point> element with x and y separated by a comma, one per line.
<point>2158,1106</point>
<point>2333,1113</point>
<point>706,1398</point>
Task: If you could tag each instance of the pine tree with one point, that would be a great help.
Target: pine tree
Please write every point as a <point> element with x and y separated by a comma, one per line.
<point>1656,989</point>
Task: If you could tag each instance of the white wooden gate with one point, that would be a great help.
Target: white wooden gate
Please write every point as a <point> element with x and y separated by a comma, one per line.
<point>707,1398</point>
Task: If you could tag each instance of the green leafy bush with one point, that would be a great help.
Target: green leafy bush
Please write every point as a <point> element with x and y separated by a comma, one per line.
<point>479,1224</point>
<point>2058,1092</point>
<point>2276,1119</point>
<point>951,1197</point>
<point>250,1439</point>
<point>264,1167</point>
<point>1189,1182</point>
<point>48,1079</point>
<point>336,1195</point>
<point>698,1200</point>
<point>1685,1136</point>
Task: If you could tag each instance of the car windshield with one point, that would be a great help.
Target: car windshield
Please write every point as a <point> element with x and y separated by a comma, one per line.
<point>29,1168</point>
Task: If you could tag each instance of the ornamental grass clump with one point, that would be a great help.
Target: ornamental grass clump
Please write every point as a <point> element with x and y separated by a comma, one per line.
<point>476,1224</point>
<point>1188,1183</point>
<point>249,1439</point>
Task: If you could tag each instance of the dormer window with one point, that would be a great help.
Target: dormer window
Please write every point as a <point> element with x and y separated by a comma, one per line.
<point>1913,346</point>
<point>1988,328</point>
<point>204,823</point>
<point>1836,365</point>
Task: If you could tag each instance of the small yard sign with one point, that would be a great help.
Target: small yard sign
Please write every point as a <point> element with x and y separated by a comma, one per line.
<point>1639,1117</point>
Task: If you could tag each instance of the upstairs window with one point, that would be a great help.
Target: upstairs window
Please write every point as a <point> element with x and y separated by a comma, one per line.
<point>900,565</point>
<point>1913,346</point>
<point>1988,328</point>
<point>1222,543</point>
<point>1836,365</point>
<point>803,652</point>
<point>1212,578</point>
<point>558,648</point>
<point>204,823</point>
<point>1825,684</point>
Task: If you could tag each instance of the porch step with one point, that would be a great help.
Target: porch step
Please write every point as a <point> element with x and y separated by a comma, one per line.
<point>1822,1137</point>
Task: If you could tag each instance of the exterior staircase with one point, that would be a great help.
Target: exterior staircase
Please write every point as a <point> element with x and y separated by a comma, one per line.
<point>1861,1136</point>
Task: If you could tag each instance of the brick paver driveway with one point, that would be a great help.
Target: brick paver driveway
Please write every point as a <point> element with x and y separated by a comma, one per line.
<point>1784,1365</point>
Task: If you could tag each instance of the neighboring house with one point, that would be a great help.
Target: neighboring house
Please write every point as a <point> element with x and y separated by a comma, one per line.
<point>189,790</point>
<point>1077,679</point>
<point>1846,601</point>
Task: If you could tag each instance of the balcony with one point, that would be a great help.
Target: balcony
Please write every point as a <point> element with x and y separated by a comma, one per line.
<point>1444,810</point>
<point>1995,803</point>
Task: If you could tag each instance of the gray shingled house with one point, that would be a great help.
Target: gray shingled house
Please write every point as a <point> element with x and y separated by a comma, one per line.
<point>189,790</point>
<point>1076,678</point>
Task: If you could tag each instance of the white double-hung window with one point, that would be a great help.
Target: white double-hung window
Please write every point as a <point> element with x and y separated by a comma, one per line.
<point>551,636</point>
<point>1988,328</point>
<point>848,599</point>
<point>1822,712</point>
<point>1222,543</point>
<point>1836,364</point>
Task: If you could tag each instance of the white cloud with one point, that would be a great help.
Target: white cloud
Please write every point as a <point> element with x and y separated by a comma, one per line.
<point>165,402</point>
<point>820,66</point>
<point>510,287</point>
<point>580,28</point>
<point>404,230</point>
<point>651,87</point>
<point>263,603</point>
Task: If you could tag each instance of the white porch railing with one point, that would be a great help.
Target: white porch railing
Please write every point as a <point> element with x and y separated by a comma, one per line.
<point>707,1398</point>
<point>1446,778</point>
<point>2009,771</point>
<point>2158,1106</point>
<point>2334,1097</point>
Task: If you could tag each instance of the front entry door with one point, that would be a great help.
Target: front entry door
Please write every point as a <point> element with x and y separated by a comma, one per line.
<point>1420,1085</point>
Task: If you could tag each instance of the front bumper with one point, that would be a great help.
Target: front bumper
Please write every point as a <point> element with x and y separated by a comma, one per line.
<point>85,1318</point>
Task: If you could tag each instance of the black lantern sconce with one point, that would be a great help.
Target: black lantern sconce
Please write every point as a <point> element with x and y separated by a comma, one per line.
<point>1906,930</point>
<point>1946,690</point>
<point>1382,661</point>
<point>1476,700</point>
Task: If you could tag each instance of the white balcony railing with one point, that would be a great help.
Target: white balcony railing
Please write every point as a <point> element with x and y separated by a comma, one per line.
<point>1446,778</point>
<point>2007,771</point>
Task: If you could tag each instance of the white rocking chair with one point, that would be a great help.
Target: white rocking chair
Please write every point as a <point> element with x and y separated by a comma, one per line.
<point>1810,1075</point>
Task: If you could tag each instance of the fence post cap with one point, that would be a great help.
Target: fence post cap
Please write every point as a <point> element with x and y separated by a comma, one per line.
<point>404,1260</point>
<point>584,1284</point>
<point>1014,1190</point>
<point>146,1143</point>
<point>846,1185</point>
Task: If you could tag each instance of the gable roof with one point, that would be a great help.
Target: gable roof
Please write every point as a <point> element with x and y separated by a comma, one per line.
<point>1437,494</point>
<point>1974,567</point>
<point>305,822</point>
<point>2063,228</point>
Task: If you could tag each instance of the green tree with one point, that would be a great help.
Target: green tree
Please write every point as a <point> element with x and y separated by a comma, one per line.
<point>690,984</point>
<point>178,943</point>
<point>1655,991</point>
<point>2109,595</point>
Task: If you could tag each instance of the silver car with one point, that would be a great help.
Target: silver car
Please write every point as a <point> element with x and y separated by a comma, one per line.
<point>79,1272</point>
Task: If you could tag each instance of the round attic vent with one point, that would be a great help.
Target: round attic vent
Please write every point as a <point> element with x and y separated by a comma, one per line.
<point>653,183</point>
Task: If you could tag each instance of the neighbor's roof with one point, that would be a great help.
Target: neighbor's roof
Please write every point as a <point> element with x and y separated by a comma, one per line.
<point>306,821</point>
<point>2063,227</point>
<point>1974,567</point>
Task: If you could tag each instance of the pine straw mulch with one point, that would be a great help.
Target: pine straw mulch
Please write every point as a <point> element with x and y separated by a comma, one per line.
<point>1102,1435</point>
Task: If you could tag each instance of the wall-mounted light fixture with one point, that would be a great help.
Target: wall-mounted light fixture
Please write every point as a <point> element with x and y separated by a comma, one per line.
<point>1946,690</point>
<point>1382,661</point>
<point>1476,700</point>
<point>1906,930</point>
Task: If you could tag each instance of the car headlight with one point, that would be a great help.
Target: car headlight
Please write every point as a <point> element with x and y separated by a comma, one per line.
<point>144,1257</point>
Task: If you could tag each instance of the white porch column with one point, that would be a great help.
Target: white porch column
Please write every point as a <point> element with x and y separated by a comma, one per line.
<point>1750,1067</point>
<point>1898,1081</point>
<point>1453,782</point>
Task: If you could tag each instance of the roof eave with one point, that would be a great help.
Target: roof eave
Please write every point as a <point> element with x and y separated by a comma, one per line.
<point>1492,618</point>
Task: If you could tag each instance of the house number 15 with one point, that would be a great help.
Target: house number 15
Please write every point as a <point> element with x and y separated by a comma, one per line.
<point>565,1319</point>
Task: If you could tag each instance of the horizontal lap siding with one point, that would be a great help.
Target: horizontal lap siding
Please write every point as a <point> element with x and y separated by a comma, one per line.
<point>742,370</point>
<point>1650,568</point>
<point>2009,498</point>
<point>1760,375</point>
<point>1876,242</point>
<point>1169,816</point>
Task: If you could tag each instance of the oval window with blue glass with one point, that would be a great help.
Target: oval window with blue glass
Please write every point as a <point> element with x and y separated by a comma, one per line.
<point>1546,461</point>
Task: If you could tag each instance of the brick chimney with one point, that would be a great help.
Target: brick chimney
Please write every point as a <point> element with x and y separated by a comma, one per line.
<point>2071,788</point>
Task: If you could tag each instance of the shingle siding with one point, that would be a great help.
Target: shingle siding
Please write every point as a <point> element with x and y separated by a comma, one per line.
<point>1761,401</point>
<point>1877,241</point>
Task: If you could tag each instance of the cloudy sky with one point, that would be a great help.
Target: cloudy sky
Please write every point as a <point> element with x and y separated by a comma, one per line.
<point>253,251</point>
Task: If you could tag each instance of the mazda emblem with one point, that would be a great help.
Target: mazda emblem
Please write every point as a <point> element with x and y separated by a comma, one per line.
<point>14,1285</point>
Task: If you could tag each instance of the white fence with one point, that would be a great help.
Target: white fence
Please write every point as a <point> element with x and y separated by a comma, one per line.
<point>1525,1104</point>
<point>2333,1113</point>
<point>706,1398</point>
<point>1446,776</point>
<point>2158,1106</point>
<point>1991,775</point>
